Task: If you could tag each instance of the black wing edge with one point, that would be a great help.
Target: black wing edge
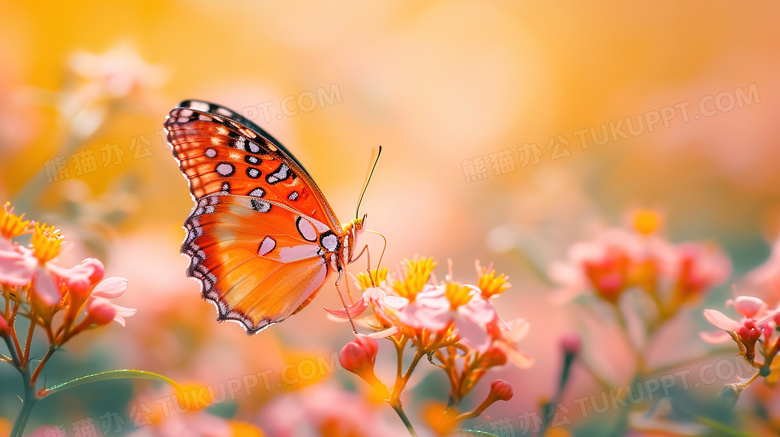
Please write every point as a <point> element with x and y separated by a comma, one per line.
<point>215,109</point>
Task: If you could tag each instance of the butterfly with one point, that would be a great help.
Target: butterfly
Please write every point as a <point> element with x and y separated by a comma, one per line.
<point>262,239</point>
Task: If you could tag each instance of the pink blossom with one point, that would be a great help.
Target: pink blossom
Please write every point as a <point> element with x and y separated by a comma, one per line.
<point>749,307</point>
<point>385,306</point>
<point>111,288</point>
<point>326,410</point>
<point>17,264</point>
<point>432,310</point>
<point>745,332</point>
<point>507,336</point>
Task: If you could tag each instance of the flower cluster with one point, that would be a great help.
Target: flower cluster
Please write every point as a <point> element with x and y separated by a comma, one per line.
<point>758,326</point>
<point>36,289</point>
<point>455,325</point>
<point>619,260</point>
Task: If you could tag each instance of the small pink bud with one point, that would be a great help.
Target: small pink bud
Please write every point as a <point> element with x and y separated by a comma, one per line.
<point>79,286</point>
<point>100,312</point>
<point>359,355</point>
<point>97,269</point>
<point>4,331</point>
<point>571,343</point>
<point>501,390</point>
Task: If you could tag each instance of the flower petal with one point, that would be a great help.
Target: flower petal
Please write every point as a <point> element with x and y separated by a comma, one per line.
<point>471,333</point>
<point>385,333</point>
<point>749,306</point>
<point>718,337</point>
<point>44,287</point>
<point>720,320</point>
<point>16,266</point>
<point>110,288</point>
<point>351,311</point>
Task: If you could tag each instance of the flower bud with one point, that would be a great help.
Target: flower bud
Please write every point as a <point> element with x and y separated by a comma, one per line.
<point>358,356</point>
<point>79,287</point>
<point>571,343</point>
<point>96,266</point>
<point>100,312</point>
<point>501,390</point>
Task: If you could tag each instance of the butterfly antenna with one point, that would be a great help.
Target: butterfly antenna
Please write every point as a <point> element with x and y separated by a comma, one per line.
<point>368,179</point>
<point>383,250</point>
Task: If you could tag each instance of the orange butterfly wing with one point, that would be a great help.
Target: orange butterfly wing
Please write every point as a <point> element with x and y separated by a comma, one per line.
<point>262,238</point>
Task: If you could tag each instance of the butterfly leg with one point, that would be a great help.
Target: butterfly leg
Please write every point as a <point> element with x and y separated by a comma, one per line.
<point>343,303</point>
<point>368,262</point>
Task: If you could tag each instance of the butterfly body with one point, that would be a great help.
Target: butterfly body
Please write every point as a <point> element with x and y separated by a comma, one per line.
<point>262,238</point>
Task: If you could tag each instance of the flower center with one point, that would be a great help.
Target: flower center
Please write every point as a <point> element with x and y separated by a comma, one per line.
<point>46,242</point>
<point>457,294</point>
<point>11,225</point>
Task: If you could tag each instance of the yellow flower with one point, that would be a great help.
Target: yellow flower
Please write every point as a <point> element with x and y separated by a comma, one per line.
<point>457,294</point>
<point>418,271</point>
<point>376,278</point>
<point>12,225</point>
<point>243,429</point>
<point>489,284</point>
<point>441,420</point>
<point>646,221</point>
<point>46,242</point>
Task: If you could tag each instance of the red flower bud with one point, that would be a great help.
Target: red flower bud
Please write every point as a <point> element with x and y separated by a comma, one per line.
<point>501,390</point>
<point>358,356</point>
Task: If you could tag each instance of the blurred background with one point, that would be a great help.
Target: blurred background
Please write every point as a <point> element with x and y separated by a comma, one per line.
<point>510,131</point>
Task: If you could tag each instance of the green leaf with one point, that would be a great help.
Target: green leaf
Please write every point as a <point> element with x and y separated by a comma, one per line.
<point>107,376</point>
<point>476,432</point>
<point>724,429</point>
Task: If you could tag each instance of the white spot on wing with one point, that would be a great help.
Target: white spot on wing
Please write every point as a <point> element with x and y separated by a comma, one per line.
<point>225,112</point>
<point>295,253</point>
<point>200,106</point>
<point>225,169</point>
<point>267,245</point>
<point>306,229</point>
<point>210,153</point>
<point>330,242</point>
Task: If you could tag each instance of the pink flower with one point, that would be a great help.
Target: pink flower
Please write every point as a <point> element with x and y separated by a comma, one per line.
<point>603,265</point>
<point>745,332</point>
<point>112,288</point>
<point>696,268</point>
<point>507,336</point>
<point>17,264</point>
<point>439,308</point>
<point>326,410</point>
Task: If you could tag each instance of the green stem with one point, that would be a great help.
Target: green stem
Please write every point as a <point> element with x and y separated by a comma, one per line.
<point>29,401</point>
<point>407,422</point>
<point>12,349</point>
<point>30,397</point>
<point>395,400</point>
